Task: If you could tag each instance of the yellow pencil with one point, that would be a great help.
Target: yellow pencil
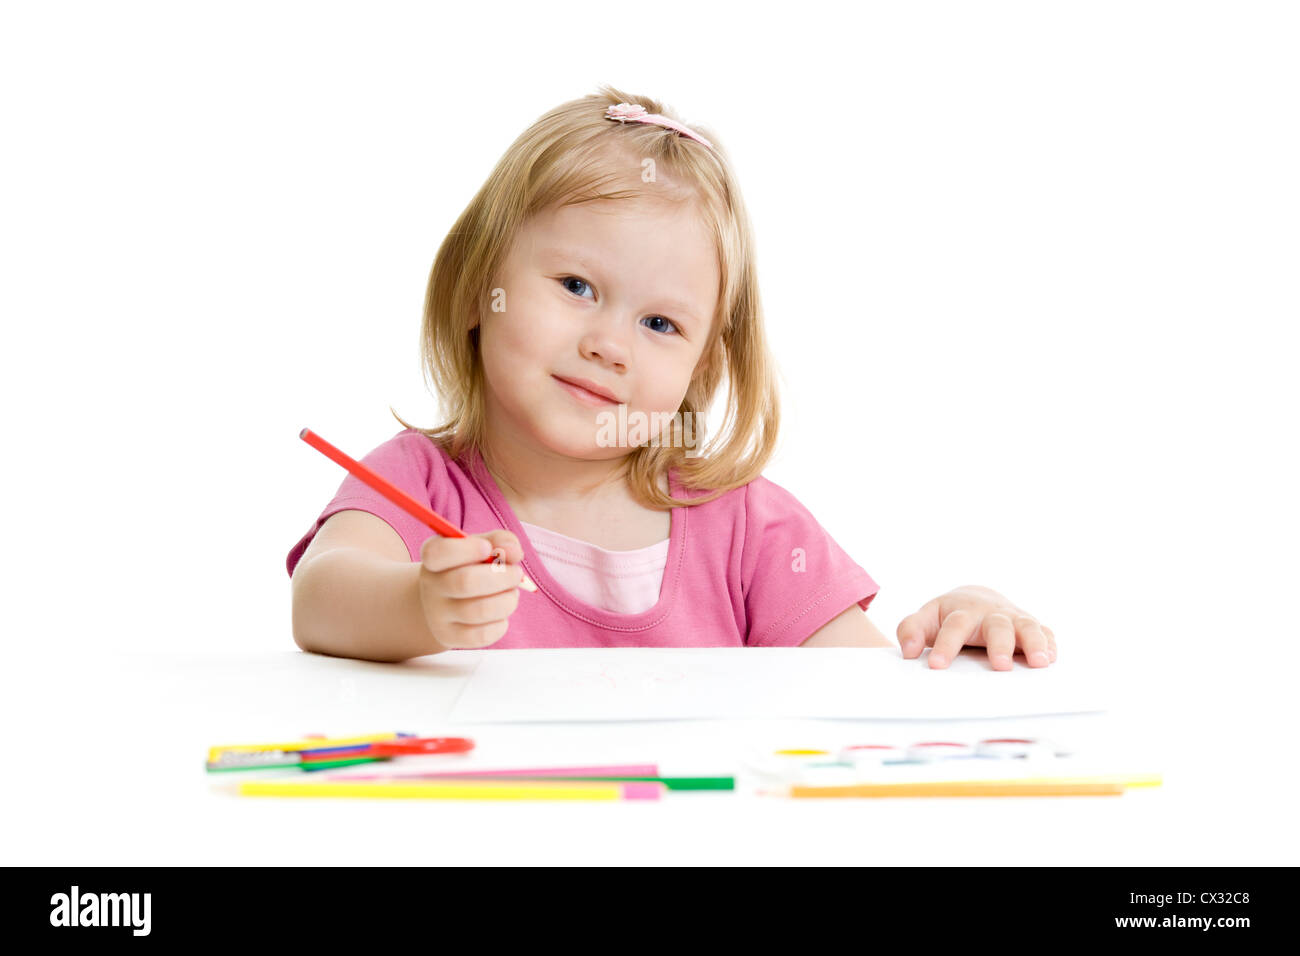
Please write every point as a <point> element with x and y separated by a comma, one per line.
<point>992,788</point>
<point>456,790</point>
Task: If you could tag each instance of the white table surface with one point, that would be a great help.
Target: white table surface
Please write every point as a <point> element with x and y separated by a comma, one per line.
<point>107,769</point>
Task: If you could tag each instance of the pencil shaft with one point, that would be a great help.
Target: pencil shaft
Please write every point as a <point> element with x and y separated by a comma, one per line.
<point>382,485</point>
<point>479,790</point>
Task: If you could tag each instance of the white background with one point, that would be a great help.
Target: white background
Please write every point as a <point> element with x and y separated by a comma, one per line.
<point>1030,272</point>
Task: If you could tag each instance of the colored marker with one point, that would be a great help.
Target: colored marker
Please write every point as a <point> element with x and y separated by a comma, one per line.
<point>314,766</point>
<point>394,494</point>
<point>421,745</point>
<point>340,755</point>
<point>270,760</point>
<point>215,754</point>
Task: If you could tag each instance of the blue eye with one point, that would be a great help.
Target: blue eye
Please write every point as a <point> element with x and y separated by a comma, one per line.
<point>670,329</point>
<point>567,279</point>
<point>659,318</point>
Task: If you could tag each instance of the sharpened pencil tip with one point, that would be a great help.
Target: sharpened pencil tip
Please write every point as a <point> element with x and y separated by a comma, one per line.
<point>528,585</point>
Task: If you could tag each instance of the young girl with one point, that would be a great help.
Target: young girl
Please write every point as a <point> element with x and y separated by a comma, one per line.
<point>580,316</point>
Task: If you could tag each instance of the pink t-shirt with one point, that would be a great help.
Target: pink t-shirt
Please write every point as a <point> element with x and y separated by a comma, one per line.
<point>750,568</point>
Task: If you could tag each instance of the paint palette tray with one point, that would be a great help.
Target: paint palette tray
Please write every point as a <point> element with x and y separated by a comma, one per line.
<point>936,761</point>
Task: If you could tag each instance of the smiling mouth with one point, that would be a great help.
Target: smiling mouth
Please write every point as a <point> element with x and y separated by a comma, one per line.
<point>586,396</point>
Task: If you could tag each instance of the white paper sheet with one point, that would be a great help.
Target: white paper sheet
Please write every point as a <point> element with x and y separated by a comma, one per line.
<point>720,683</point>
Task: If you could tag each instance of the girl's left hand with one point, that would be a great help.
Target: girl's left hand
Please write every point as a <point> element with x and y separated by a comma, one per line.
<point>979,617</point>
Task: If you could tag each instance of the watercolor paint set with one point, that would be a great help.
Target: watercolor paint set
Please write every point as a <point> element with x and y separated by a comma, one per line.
<point>944,767</point>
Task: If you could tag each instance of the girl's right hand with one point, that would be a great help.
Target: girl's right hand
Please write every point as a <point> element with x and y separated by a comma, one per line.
<point>466,603</point>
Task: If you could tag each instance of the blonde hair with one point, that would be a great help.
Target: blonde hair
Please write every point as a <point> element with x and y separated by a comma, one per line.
<point>565,158</point>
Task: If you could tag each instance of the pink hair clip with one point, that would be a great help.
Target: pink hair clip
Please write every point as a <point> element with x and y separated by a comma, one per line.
<point>630,113</point>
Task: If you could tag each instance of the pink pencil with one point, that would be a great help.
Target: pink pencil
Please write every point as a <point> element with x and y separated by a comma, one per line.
<point>394,494</point>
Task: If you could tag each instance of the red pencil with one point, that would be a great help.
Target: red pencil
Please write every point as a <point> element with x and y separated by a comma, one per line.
<point>394,494</point>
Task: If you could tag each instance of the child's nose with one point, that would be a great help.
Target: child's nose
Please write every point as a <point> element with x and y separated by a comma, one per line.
<point>607,342</point>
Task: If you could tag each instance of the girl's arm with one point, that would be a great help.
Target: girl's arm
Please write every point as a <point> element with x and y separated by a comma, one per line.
<point>851,629</point>
<point>356,593</point>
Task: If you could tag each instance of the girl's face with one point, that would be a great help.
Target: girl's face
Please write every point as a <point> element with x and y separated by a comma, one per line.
<point>617,295</point>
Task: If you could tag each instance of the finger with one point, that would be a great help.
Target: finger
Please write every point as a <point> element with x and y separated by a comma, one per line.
<point>504,544</point>
<point>472,636</point>
<point>1051,643</point>
<point>484,610</point>
<point>1000,639</point>
<point>918,630</point>
<point>1032,641</point>
<point>439,553</point>
<point>957,630</point>
<point>479,580</point>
